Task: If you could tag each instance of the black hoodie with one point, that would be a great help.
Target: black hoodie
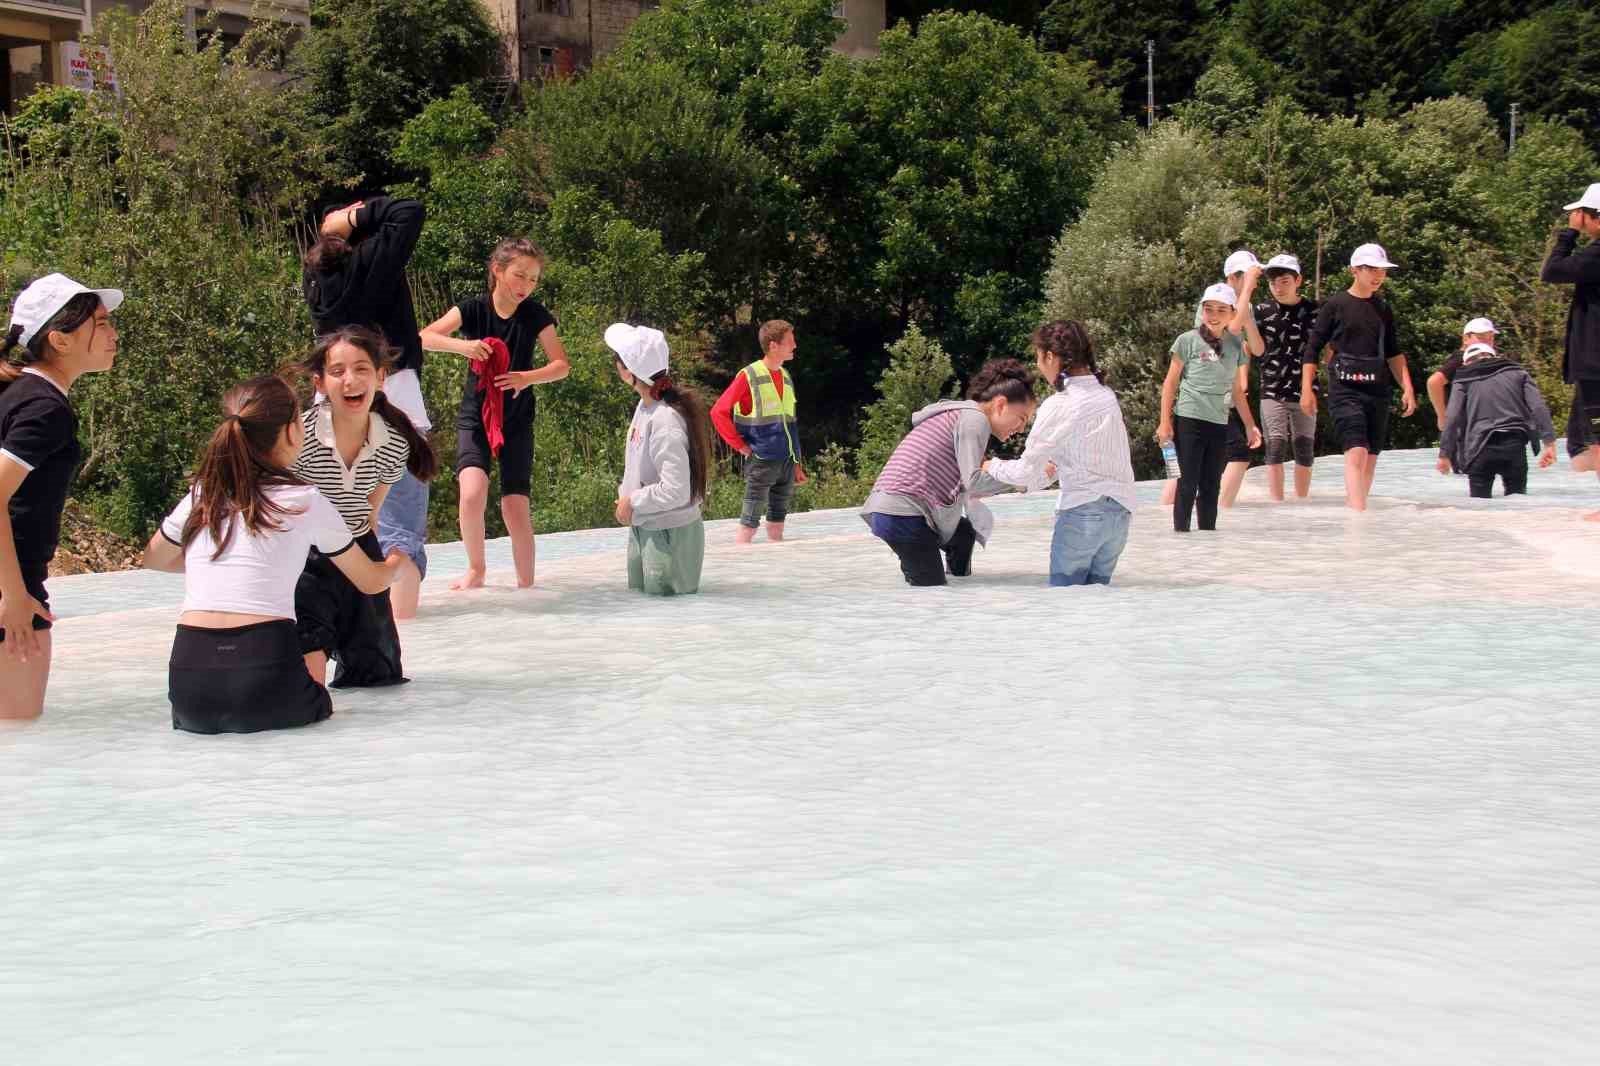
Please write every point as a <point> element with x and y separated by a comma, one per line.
<point>370,288</point>
<point>1581,270</point>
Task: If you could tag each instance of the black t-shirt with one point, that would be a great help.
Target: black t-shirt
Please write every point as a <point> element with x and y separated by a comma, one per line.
<point>521,335</point>
<point>1452,367</point>
<point>1360,328</point>
<point>1284,329</point>
<point>39,429</point>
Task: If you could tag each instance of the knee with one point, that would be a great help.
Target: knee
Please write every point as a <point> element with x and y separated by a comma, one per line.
<point>1305,450</point>
<point>1276,451</point>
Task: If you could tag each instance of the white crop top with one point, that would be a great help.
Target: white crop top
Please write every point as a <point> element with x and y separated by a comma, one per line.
<point>257,574</point>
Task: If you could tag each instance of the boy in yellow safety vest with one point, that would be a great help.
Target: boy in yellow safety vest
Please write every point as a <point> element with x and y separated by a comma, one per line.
<point>755,416</point>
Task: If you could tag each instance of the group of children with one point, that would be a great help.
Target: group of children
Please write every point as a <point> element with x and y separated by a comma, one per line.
<point>302,535</point>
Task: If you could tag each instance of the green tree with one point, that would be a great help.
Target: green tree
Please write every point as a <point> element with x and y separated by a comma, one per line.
<point>1113,36</point>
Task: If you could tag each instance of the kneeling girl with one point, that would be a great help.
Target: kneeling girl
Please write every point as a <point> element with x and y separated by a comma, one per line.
<point>240,537</point>
<point>924,503</point>
<point>668,465</point>
<point>356,445</point>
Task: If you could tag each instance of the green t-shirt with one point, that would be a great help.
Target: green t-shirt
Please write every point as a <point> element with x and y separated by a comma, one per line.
<point>1207,379</point>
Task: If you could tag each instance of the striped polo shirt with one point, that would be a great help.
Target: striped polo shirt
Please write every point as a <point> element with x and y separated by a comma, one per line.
<point>381,461</point>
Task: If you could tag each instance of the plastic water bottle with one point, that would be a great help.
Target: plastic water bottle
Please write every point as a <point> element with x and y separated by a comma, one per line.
<point>1169,453</point>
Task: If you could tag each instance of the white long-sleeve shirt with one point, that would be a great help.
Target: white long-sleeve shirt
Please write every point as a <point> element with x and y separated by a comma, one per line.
<point>656,475</point>
<point>1080,430</point>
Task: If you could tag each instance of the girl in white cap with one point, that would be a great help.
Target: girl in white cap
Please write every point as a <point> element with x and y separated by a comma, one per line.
<point>60,330</point>
<point>1203,372</point>
<point>668,465</point>
<point>1366,361</point>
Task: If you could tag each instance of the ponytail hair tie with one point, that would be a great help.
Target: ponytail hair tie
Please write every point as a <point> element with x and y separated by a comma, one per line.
<point>659,386</point>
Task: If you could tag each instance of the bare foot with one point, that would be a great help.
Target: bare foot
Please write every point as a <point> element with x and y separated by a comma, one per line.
<point>1592,516</point>
<point>472,579</point>
<point>521,584</point>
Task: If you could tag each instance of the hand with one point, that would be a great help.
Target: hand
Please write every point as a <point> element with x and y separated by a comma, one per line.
<point>16,618</point>
<point>1255,437</point>
<point>624,511</point>
<point>1575,219</point>
<point>800,475</point>
<point>1163,432</point>
<point>1547,457</point>
<point>1441,423</point>
<point>1251,277</point>
<point>1308,404</point>
<point>476,351</point>
<point>395,559</point>
<point>514,382</point>
<point>1408,403</point>
<point>341,223</point>
<point>1050,472</point>
<point>1444,465</point>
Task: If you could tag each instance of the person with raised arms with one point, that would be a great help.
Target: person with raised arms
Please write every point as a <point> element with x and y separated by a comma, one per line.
<point>240,537</point>
<point>60,330</point>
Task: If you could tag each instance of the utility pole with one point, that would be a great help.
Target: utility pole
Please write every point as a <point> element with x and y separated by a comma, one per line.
<point>1149,85</point>
<point>1513,146</point>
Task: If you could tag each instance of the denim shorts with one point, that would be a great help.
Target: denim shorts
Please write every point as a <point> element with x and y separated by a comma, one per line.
<point>403,520</point>
<point>768,486</point>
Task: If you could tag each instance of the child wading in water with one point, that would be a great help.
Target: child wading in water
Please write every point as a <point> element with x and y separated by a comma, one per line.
<point>1495,412</point>
<point>356,445</point>
<point>1194,412</point>
<point>668,465</point>
<point>509,313</point>
<point>1079,439</point>
<point>240,537</point>
<point>924,504</point>
<point>60,331</point>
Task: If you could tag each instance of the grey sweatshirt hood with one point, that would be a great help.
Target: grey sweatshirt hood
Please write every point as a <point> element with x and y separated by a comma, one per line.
<point>941,406</point>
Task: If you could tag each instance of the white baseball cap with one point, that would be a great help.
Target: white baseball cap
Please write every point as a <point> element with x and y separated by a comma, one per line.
<point>1239,262</point>
<point>1220,293</point>
<point>1477,351</point>
<point>1479,325</point>
<point>1370,255</point>
<point>642,350</point>
<point>44,299</point>
<point>1283,261</point>
<point>1590,199</point>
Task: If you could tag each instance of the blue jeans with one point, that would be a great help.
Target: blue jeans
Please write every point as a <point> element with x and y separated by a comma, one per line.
<point>403,520</point>
<point>1088,541</point>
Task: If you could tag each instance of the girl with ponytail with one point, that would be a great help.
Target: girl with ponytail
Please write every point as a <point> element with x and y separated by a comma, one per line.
<point>356,445</point>
<point>668,467</point>
<point>59,331</point>
<point>240,537</point>
<point>925,504</point>
<point>1080,440</point>
<point>499,332</point>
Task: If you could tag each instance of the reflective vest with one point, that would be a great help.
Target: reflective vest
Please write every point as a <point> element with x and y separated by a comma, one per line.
<point>769,428</point>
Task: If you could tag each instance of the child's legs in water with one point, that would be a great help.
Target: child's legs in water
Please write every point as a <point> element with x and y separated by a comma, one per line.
<point>516,490</point>
<point>473,482</point>
<point>666,562</point>
<point>22,684</point>
<point>403,526</point>
<point>1087,542</point>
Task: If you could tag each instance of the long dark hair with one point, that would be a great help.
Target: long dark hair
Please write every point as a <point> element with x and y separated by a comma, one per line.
<point>14,355</point>
<point>692,409</point>
<point>329,252</point>
<point>237,467</point>
<point>1068,341</point>
<point>422,462</point>
<point>1003,377</point>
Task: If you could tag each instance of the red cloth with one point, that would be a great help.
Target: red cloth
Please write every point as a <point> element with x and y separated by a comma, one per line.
<point>737,394</point>
<point>494,400</point>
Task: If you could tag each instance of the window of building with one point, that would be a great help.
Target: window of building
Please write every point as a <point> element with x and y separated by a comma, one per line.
<point>25,72</point>
<point>553,7</point>
<point>546,62</point>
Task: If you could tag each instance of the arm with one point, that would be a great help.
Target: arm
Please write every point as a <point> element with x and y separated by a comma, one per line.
<point>1028,472</point>
<point>387,229</point>
<point>1562,267</point>
<point>1244,318</point>
<point>555,368</point>
<point>1436,384</point>
<point>436,337</point>
<point>1541,420</point>
<point>17,607</point>
<point>1169,397</point>
<point>366,575</point>
<point>669,451</point>
<point>737,394</point>
<point>971,443</point>
<point>162,554</point>
<point>1455,417</point>
<point>1408,395</point>
<point>375,501</point>
<point>1241,404</point>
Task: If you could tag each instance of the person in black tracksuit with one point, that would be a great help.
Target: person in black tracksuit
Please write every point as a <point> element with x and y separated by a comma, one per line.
<point>1580,365</point>
<point>1495,411</point>
<point>355,275</point>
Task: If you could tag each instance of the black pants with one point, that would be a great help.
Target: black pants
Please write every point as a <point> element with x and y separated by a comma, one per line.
<point>1583,421</point>
<point>1202,456</point>
<point>923,560</point>
<point>1506,455</point>
<point>355,630</point>
<point>242,680</point>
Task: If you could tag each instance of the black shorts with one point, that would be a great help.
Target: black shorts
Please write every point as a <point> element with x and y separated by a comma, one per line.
<point>33,580</point>
<point>516,457</point>
<point>1360,419</point>
<point>353,629</point>
<point>1238,439</point>
<point>242,680</point>
<point>1583,422</point>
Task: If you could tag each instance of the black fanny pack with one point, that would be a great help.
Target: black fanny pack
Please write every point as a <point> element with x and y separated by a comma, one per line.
<point>1360,371</point>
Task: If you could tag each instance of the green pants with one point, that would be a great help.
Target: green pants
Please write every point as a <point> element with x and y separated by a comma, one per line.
<point>666,562</point>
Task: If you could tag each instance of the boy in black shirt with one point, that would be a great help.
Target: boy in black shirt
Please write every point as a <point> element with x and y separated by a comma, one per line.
<point>1366,360</point>
<point>1285,321</point>
<point>1580,366</point>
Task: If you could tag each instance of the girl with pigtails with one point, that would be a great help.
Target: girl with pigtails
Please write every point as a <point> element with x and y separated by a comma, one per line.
<point>60,330</point>
<point>1079,440</point>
